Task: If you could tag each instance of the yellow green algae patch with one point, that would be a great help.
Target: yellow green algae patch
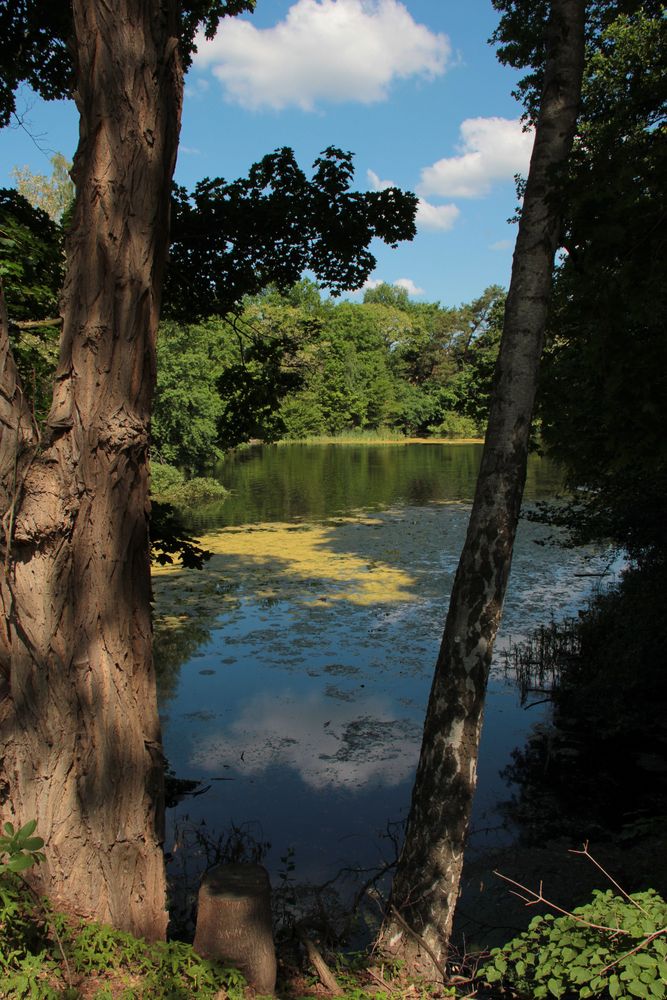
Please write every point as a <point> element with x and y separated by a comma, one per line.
<point>309,563</point>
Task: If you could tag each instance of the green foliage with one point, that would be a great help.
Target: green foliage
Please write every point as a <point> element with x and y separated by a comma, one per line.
<point>230,240</point>
<point>24,957</point>
<point>164,479</point>
<point>158,971</point>
<point>35,44</point>
<point>31,268</point>
<point>623,957</point>
<point>603,395</point>
<point>31,258</point>
<point>171,542</point>
<point>263,363</point>
<point>20,847</point>
<point>409,369</point>
<point>53,195</point>
<point>453,425</point>
<point>187,406</point>
<point>169,485</point>
<point>387,295</point>
<point>42,950</point>
<point>197,491</point>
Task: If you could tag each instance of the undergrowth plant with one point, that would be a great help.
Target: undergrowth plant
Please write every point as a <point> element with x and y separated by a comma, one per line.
<point>45,955</point>
<point>615,946</point>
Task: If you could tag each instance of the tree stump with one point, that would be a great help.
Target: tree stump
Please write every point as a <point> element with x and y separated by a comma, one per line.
<point>234,922</point>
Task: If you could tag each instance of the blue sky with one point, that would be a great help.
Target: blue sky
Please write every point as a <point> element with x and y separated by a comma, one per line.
<point>410,86</point>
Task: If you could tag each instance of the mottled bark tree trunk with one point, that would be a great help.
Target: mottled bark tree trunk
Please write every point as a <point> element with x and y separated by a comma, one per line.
<point>79,732</point>
<point>427,880</point>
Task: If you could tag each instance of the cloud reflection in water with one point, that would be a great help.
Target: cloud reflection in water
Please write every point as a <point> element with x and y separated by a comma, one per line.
<point>328,742</point>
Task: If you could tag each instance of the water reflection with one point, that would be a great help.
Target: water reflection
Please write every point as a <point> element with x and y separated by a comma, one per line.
<point>288,482</point>
<point>337,740</point>
<point>303,703</point>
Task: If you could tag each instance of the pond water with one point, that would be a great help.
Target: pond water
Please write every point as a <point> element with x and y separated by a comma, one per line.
<point>295,669</point>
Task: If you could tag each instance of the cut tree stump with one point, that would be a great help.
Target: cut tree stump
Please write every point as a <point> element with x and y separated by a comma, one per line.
<point>234,922</point>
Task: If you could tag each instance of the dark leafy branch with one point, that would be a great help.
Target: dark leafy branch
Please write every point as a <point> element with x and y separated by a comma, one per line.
<point>232,239</point>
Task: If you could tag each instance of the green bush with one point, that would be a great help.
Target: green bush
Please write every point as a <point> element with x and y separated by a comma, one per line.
<point>165,478</point>
<point>623,956</point>
<point>46,955</point>
<point>168,484</point>
<point>455,425</point>
<point>197,491</point>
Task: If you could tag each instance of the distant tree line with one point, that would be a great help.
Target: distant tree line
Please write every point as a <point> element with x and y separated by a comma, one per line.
<point>296,365</point>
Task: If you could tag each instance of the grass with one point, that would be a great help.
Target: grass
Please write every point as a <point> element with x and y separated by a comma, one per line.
<point>382,435</point>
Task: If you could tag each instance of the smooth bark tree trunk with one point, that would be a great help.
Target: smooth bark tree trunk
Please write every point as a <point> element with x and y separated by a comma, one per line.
<point>80,742</point>
<point>426,885</point>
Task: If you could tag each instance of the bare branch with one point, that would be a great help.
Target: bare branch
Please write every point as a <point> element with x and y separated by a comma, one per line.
<point>585,852</point>
<point>538,897</point>
<point>642,944</point>
<point>31,324</point>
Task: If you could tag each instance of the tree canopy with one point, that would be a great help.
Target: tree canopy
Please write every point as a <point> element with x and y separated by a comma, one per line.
<point>234,239</point>
<point>35,43</point>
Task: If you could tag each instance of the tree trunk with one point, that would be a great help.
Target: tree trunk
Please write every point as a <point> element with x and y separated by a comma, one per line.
<point>427,880</point>
<point>79,731</point>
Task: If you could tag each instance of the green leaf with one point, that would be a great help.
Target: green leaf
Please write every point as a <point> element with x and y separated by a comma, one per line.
<point>580,974</point>
<point>32,844</point>
<point>9,829</point>
<point>27,830</point>
<point>20,862</point>
<point>555,987</point>
<point>645,961</point>
<point>615,987</point>
<point>638,989</point>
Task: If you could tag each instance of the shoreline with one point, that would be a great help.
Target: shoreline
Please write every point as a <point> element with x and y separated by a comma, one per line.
<point>372,440</point>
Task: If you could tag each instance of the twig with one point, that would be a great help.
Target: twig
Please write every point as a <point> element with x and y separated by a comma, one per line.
<point>378,979</point>
<point>642,944</point>
<point>420,940</point>
<point>538,897</point>
<point>606,874</point>
<point>52,924</point>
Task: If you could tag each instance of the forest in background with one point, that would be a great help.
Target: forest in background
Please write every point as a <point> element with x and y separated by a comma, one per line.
<point>296,365</point>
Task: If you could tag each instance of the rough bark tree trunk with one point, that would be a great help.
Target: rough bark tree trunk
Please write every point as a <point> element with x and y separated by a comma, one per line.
<point>80,744</point>
<point>427,880</point>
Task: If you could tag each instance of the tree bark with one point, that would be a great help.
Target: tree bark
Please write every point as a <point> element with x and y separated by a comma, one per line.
<point>80,741</point>
<point>427,880</point>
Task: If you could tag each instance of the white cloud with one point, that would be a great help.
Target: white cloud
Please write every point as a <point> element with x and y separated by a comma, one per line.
<point>435,216</point>
<point>491,149</point>
<point>196,88</point>
<point>501,245</point>
<point>428,216</point>
<point>189,150</point>
<point>324,50</point>
<point>409,285</point>
<point>377,183</point>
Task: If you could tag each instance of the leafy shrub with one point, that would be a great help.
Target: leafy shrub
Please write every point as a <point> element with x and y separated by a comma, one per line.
<point>455,425</point>
<point>41,950</point>
<point>196,491</point>
<point>612,947</point>
<point>165,478</point>
<point>169,484</point>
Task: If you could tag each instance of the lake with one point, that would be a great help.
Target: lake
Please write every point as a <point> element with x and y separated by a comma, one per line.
<point>295,669</point>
